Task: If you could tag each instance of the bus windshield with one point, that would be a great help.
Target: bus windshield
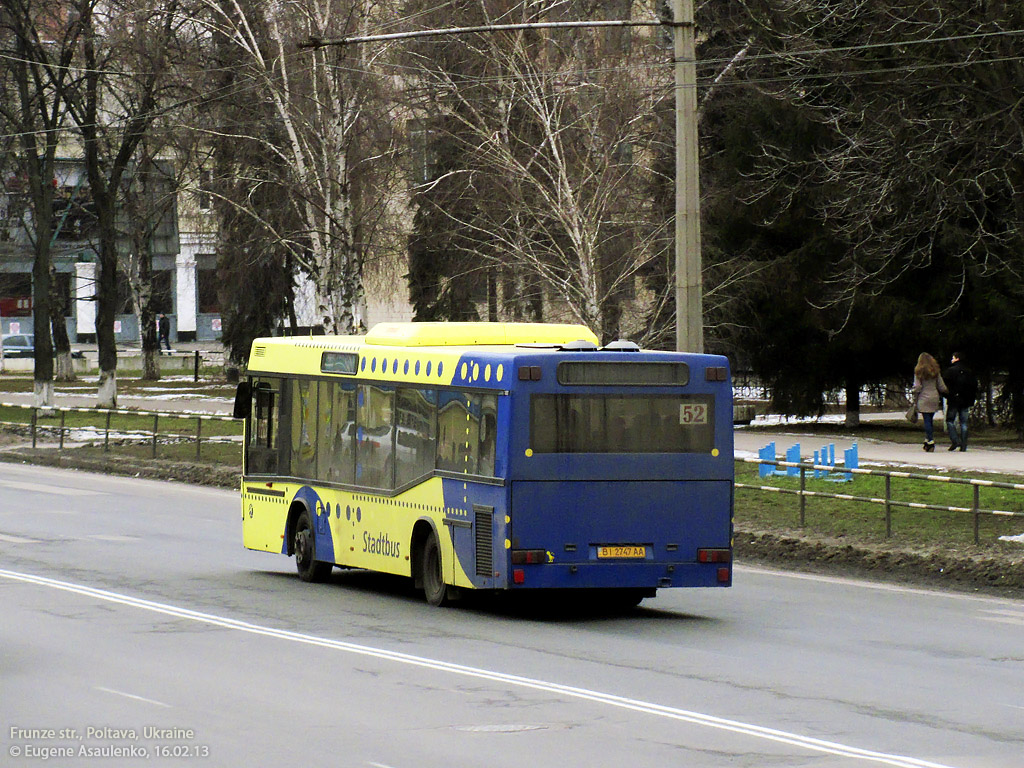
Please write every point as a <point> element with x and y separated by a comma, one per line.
<point>622,424</point>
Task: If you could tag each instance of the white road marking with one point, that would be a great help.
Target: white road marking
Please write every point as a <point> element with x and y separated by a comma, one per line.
<point>41,488</point>
<point>132,696</point>
<point>17,539</point>
<point>598,697</point>
<point>112,537</point>
<point>1004,617</point>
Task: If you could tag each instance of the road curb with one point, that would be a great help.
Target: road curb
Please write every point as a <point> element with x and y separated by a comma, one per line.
<point>973,569</point>
<point>155,469</point>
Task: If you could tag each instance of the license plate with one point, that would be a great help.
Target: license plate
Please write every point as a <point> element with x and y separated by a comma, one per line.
<point>622,551</point>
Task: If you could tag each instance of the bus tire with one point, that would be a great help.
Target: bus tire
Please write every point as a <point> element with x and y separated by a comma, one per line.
<point>432,575</point>
<point>304,546</point>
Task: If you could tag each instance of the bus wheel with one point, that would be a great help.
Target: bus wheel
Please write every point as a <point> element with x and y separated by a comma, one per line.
<point>434,588</point>
<point>304,545</point>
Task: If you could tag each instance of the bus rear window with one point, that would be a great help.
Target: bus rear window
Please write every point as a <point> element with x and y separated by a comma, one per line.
<point>620,424</point>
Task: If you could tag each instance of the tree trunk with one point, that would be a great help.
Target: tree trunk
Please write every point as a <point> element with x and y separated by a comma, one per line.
<point>61,345</point>
<point>106,309</point>
<point>147,319</point>
<point>43,372</point>
<point>852,403</point>
<point>106,392</point>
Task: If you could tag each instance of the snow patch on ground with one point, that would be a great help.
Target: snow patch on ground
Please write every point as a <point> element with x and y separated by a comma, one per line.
<point>774,419</point>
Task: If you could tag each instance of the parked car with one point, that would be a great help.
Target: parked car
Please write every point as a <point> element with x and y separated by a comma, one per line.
<point>23,345</point>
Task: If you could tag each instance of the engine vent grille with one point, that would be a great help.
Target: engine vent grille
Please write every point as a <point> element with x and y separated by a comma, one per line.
<point>484,534</point>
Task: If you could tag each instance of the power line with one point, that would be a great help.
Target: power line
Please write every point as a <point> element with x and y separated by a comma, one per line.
<point>869,46</point>
<point>239,89</point>
<point>702,62</point>
<point>315,42</point>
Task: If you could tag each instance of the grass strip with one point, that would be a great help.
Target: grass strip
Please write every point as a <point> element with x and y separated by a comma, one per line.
<point>865,520</point>
<point>121,421</point>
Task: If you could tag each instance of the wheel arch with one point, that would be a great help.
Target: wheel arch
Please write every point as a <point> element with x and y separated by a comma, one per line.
<point>421,531</point>
<point>297,508</point>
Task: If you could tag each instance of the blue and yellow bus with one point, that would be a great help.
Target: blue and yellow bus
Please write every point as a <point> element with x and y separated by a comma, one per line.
<point>490,456</point>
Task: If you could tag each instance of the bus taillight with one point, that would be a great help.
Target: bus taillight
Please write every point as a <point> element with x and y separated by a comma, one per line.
<point>714,555</point>
<point>529,556</point>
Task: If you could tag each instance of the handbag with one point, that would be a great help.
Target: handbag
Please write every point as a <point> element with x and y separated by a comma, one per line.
<point>911,413</point>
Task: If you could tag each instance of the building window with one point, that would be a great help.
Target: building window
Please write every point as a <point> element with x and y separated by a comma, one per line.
<point>207,293</point>
<point>16,294</point>
<point>423,151</point>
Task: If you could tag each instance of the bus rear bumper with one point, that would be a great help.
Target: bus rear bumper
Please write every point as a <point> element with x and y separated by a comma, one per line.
<point>619,575</point>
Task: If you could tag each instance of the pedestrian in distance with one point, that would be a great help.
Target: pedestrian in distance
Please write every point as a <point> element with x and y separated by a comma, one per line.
<point>927,394</point>
<point>963,391</point>
<point>163,328</point>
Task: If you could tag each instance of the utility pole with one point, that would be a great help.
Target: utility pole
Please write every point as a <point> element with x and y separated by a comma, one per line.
<point>689,284</point>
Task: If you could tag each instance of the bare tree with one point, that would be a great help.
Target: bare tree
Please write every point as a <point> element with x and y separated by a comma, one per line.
<point>43,38</point>
<point>554,135</point>
<point>334,153</point>
<point>147,216</point>
<point>129,54</point>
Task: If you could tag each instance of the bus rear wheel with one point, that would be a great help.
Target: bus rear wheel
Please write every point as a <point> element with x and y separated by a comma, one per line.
<point>432,576</point>
<point>304,546</point>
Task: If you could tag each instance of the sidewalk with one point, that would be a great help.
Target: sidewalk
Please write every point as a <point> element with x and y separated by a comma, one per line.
<point>911,456</point>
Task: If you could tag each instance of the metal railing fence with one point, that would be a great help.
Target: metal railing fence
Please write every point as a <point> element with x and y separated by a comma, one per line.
<point>152,435</point>
<point>887,500</point>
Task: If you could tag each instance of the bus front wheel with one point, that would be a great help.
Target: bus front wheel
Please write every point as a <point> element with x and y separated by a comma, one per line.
<point>304,546</point>
<point>434,588</point>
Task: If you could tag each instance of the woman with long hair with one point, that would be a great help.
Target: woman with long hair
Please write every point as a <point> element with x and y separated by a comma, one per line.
<point>927,393</point>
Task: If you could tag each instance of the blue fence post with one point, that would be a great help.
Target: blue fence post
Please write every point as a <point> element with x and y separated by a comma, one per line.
<point>793,456</point>
<point>850,461</point>
<point>766,454</point>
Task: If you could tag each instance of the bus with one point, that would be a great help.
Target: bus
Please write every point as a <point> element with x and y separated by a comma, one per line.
<point>501,457</point>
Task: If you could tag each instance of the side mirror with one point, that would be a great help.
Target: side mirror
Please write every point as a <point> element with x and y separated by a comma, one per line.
<point>243,400</point>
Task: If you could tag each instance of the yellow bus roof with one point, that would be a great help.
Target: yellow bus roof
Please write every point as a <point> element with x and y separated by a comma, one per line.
<point>474,334</point>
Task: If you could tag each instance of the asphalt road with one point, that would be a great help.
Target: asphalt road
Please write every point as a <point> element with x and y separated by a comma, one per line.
<point>130,604</point>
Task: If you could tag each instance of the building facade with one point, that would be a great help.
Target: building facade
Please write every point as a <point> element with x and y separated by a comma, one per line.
<point>182,257</point>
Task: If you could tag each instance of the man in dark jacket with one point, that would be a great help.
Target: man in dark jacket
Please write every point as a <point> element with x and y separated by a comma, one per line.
<point>963,389</point>
<point>163,328</point>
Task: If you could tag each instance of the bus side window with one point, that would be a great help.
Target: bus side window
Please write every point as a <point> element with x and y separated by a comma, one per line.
<point>487,440</point>
<point>375,436</point>
<point>415,440</point>
<point>466,432</point>
<point>337,432</point>
<point>303,428</point>
<point>264,426</point>
<point>452,419</point>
